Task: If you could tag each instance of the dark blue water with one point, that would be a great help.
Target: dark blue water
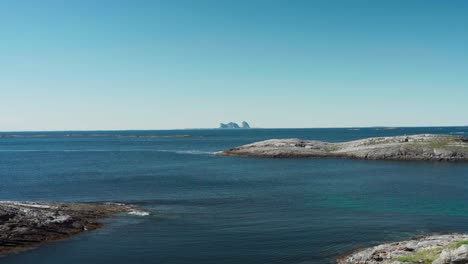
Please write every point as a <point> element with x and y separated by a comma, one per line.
<point>209,209</point>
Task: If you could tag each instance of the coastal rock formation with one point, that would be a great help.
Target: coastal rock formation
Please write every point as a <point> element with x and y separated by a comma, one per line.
<point>25,225</point>
<point>233,125</point>
<point>435,249</point>
<point>416,147</point>
<point>230,125</point>
<point>456,254</point>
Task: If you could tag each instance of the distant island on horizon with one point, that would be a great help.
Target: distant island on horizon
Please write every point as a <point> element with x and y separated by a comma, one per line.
<point>234,125</point>
<point>231,125</point>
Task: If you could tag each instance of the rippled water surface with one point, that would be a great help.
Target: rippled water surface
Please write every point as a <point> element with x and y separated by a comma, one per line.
<point>209,209</point>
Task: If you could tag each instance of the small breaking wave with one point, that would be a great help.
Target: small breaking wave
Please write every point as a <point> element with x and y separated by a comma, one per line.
<point>138,213</point>
<point>195,152</point>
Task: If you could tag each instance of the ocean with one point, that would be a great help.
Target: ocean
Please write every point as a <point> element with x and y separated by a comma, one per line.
<point>208,209</point>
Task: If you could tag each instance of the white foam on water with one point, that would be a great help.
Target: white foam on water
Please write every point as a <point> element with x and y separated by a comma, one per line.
<point>138,213</point>
<point>195,152</point>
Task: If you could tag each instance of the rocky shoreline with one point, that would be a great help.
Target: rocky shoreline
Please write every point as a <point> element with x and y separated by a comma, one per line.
<point>26,225</point>
<point>435,249</point>
<point>427,147</point>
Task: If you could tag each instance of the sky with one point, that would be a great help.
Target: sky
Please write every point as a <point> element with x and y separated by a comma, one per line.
<point>135,64</point>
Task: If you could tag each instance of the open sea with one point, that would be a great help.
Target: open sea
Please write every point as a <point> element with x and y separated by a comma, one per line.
<point>208,209</point>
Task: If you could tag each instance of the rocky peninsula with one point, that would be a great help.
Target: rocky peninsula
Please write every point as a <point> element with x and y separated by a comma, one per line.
<point>427,147</point>
<point>435,249</point>
<point>25,225</point>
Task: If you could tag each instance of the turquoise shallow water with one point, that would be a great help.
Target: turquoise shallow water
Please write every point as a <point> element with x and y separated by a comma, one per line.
<point>210,209</point>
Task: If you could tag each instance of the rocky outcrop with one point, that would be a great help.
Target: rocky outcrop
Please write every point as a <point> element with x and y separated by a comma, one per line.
<point>233,125</point>
<point>455,255</point>
<point>25,225</point>
<point>229,125</point>
<point>417,147</point>
<point>435,249</point>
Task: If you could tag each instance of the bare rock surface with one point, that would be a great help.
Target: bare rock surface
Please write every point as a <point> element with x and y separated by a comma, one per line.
<point>453,255</point>
<point>415,147</point>
<point>435,249</point>
<point>25,225</point>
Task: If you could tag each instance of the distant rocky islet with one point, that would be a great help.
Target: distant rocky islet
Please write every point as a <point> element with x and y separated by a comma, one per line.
<point>233,125</point>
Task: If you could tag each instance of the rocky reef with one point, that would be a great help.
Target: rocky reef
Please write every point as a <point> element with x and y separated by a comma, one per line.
<point>25,225</point>
<point>435,249</point>
<point>233,125</point>
<point>416,147</point>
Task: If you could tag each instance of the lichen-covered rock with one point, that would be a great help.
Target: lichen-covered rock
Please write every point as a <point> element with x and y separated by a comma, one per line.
<point>453,256</point>
<point>416,147</point>
<point>437,249</point>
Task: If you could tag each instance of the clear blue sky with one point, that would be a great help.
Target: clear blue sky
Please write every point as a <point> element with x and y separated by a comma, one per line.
<point>97,64</point>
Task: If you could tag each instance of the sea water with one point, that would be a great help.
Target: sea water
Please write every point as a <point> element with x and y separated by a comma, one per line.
<point>209,209</point>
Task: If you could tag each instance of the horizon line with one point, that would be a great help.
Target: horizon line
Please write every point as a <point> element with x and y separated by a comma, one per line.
<point>213,128</point>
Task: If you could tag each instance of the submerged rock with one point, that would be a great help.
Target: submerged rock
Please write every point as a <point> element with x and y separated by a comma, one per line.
<point>436,249</point>
<point>25,225</point>
<point>415,147</point>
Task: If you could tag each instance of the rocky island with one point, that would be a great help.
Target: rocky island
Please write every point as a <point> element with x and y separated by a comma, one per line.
<point>25,225</point>
<point>427,147</point>
<point>233,125</point>
<point>435,249</point>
